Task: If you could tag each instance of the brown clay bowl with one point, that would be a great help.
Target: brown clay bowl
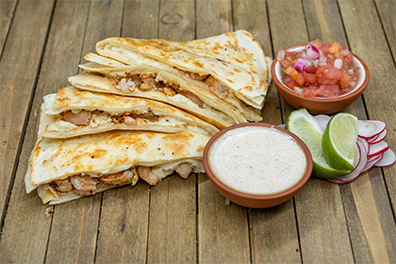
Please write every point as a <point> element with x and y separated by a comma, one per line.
<point>320,105</point>
<point>251,200</point>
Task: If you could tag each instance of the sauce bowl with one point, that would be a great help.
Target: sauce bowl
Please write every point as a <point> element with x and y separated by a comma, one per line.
<point>320,105</point>
<point>282,164</point>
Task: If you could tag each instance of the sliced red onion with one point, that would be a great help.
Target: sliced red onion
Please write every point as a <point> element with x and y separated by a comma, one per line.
<point>281,55</point>
<point>312,52</point>
<point>338,64</point>
<point>300,65</point>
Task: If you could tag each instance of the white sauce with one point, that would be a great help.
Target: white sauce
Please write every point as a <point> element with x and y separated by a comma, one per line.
<point>257,160</point>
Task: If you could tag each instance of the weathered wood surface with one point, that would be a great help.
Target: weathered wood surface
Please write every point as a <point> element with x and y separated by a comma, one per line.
<point>188,221</point>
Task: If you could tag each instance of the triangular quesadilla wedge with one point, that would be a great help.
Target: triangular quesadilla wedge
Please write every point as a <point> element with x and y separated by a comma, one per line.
<point>68,169</point>
<point>153,83</point>
<point>74,112</point>
<point>232,65</point>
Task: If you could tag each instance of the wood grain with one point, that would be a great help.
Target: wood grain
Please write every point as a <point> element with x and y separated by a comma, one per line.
<point>387,10</point>
<point>19,67</point>
<point>7,9</point>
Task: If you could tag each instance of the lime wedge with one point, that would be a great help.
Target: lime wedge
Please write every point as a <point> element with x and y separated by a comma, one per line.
<point>339,141</point>
<point>306,127</point>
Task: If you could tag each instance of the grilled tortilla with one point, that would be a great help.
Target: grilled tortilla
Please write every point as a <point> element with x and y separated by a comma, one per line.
<point>231,66</point>
<point>67,169</point>
<point>73,112</point>
<point>156,84</point>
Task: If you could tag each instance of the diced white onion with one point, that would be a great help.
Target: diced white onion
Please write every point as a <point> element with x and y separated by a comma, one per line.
<point>338,64</point>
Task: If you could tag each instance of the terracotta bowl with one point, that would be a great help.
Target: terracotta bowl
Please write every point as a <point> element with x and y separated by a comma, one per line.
<point>253,200</point>
<point>320,105</point>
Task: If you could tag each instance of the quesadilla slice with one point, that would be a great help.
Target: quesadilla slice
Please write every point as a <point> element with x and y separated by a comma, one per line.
<point>231,66</point>
<point>74,112</point>
<point>68,169</point>
<point>153,83</point>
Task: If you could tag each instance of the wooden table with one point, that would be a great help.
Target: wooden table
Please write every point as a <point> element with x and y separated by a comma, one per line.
<point>187,221</point>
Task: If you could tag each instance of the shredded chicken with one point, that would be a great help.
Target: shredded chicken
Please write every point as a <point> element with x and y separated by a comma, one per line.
<point>119,178</point>
<point>129,121</point>
<point>193,98</point>
<point>148,175</point>
<point>84,185</point>
<point>81,118</point>
<point>184,169</point>
<point>217,88</point>
<point>196,76</point>
<point>62,185</point>
<point>169,91</point>
<point>148,83</point>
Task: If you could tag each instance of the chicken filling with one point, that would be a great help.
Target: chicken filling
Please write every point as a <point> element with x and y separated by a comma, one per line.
<point>150,82</point>
<point>85,118</point>
<point>85,185</point>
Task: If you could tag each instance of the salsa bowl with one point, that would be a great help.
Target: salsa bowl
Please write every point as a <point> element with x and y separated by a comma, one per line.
<point>320,105</point>
<point>257,165</point>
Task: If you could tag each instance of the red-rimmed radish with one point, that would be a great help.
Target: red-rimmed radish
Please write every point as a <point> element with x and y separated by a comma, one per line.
<point>388,159</point>
<point>378,148</point>
<point>370,128</point>
<point>371,162</point>
<point>323,120</point>
<point>378,138</point>
<point>361,158</point>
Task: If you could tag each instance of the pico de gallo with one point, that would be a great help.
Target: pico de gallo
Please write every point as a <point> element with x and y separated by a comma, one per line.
<point>319,69</point>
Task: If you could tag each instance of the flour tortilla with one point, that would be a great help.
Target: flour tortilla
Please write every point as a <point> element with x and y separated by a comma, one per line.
<point>235,59</point>
<point>213,110</point>
<point>108,153</point>
<point>168,119</point>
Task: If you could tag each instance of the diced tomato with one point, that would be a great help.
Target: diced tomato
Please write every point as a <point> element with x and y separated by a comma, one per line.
<point>325,48</point>
<point>326,81</point>
<point>289,82</point>
<point>311,68</point>
<point>329,90</point>
<point>320,72</point>
<point>330,59</point>
<point>335,47</point>
<point>291,55</point>
<point>334,73</point>
<point>295,75</point>
<point>345,80</point>
<point>311,93</point>
<point>285,63</point>
<point>309,78</point>
<point>317,43</point>
<point>348,59</point>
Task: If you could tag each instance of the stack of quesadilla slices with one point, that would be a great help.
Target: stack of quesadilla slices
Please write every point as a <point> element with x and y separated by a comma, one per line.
<point>144,109</point>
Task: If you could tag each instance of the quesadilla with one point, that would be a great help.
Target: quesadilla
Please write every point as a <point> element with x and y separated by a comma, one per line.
<point>74,112</point>
<point>153,83</point>
<point>68,169</point>
<point>231,66</point>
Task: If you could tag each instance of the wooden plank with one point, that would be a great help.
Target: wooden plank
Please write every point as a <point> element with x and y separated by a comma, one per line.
<point>78,236</point>
<point>125,211</point>
<point>273,232</point>
<point>172,221</point>
<point>7,9</point>
<point>321,222</point>
<point>218,223</point>
<point>387,10</point>
<point>31,20</point>
<point>123,225</point>
<point>373,242</point>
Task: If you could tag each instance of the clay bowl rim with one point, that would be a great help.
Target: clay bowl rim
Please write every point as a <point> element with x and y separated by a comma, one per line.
<point>355,92</point>
<point>250,196</point>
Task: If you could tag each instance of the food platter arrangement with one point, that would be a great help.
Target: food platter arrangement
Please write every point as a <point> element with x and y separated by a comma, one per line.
<point>148,108</point>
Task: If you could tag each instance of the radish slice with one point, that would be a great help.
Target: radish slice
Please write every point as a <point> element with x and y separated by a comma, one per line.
<point>371,162</point>
<point>323,120</point>
<point>370,128</point>
<point>378,148</point>
<point>361,156</point>
<point>389,158</point>
<point>378,138</point>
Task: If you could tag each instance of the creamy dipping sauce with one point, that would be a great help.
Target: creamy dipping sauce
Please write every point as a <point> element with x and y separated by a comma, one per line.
<point>257,160</point>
